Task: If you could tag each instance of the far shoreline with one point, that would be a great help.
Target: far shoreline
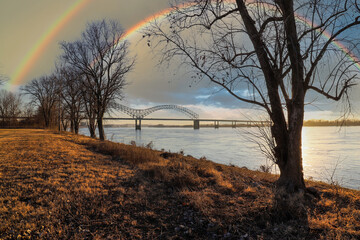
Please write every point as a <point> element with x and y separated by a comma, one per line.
<point>307,123</point>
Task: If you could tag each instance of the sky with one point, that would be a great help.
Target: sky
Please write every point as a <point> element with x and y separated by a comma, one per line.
<point>25,24</point>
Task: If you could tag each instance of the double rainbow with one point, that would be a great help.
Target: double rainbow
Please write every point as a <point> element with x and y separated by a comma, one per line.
<point>18,77</point>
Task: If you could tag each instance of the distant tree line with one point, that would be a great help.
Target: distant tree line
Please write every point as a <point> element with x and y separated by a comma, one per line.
<point>10,107</point>
<point>338,123</point>
<point>88,81</point>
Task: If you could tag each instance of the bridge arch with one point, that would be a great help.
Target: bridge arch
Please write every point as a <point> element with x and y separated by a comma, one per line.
<point>141,113</point>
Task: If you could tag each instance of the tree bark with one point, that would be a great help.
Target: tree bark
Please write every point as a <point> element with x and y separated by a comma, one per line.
<point>64,124</point>
<point>72,125</point>
<point>291,178</point>
<point>46,119</point>
<point>291,169</point>
<point>91,126</point>
<point>101,128</point>
<point>76,127</point>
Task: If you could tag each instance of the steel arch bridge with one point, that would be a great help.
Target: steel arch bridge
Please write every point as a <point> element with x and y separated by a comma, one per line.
<point>141,113</point>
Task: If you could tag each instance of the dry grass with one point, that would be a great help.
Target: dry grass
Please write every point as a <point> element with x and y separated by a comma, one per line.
<point>72,187</point>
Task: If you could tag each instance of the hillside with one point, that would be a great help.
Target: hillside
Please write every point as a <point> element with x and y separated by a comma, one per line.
<point>72,187</point>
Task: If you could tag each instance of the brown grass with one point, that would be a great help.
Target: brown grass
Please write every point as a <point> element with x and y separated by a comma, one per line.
<point>72,187</point>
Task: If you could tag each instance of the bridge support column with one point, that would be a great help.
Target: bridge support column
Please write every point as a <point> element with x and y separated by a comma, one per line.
<point>216,124</point>
<point>233,124</point>
<point>196,124</point>
<point>137,124</point>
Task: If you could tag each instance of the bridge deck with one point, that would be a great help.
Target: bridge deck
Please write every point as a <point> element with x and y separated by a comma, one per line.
<point>188,119</point>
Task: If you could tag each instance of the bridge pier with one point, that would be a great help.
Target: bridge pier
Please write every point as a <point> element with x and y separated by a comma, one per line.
<point>196,124</point>
<point>137,124</point>
<point>216,124</point>
<point>233,124</point>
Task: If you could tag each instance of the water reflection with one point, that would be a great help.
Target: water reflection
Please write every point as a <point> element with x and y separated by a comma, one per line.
<point>328,150</point>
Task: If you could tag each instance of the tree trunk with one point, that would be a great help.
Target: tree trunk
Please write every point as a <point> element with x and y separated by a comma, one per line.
<point>76,127</point>
<point>289,151</point>
<point>46,119</point>
<point>291,178</point>
<point>64,124</point>
<point>101,128</point>
<point>291,171</point>
<point>290,187</point>
<point>91,126</point>
<point>72,125</point>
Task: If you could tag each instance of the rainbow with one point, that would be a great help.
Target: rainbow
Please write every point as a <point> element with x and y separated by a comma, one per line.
<point>162,14</point>
<point>40,46</point>
<point>33,55</point>
<point>134,29</point>
<point>336,43</point>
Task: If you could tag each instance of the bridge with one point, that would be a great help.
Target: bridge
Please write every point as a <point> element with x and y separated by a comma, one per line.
<point>139,115</point>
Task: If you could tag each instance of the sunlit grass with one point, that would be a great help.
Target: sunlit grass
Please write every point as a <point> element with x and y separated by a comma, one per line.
<point>64,186</point>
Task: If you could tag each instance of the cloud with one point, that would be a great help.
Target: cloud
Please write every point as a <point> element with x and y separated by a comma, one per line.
<point>172,83</point>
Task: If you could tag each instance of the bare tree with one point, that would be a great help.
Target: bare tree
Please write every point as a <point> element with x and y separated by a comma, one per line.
<point>280,51</point>
<point>71,93</point>
<point>10,106</point>
<point>44,93</point>
<point>102,56</point>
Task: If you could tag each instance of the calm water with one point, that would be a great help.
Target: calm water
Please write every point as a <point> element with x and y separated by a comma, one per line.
<point>326,150</point>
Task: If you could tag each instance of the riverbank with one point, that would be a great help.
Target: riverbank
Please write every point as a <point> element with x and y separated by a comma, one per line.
<point>73,187</point>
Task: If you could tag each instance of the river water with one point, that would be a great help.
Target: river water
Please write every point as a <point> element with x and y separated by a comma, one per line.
<point>329,153</point>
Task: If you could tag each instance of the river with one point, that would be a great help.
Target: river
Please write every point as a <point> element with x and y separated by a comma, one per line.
<point>329,153</point>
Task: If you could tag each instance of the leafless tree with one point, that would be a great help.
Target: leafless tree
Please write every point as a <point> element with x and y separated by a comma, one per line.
<point>280,51</point>
<point>102,56</point>
<point>10,105</point>
<point>44,93</point>
<point>71,93</point>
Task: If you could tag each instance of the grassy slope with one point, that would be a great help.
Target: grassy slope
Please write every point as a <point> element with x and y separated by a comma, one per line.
<point>64,186</point>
